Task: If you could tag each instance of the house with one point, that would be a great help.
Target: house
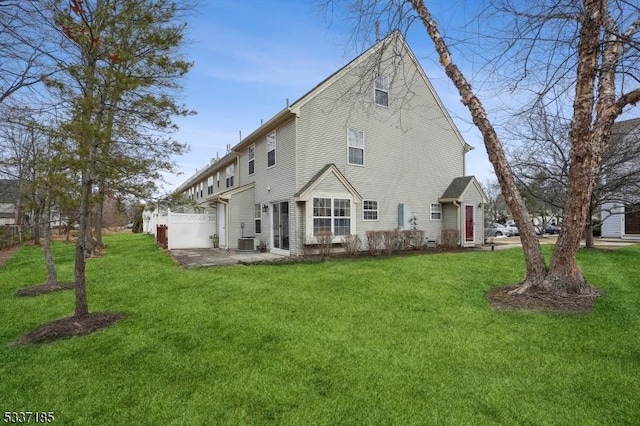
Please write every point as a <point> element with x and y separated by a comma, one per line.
<point>620,214</point>
<point>9,201</point>
<point>369,148</point>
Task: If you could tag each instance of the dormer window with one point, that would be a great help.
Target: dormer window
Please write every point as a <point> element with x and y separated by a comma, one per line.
<point>382,90</point>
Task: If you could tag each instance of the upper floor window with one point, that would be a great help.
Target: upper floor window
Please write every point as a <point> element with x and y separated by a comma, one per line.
<point>436,211</point>
<point>210,185</point>
<point>369,210</point>
<point>230,173</point>
<point>271,149</point>
<point>355,142</point>
<point>252,159</point>
<point>382,90</point>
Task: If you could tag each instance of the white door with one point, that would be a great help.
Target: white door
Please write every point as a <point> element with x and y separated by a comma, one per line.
<point>222,225</point>
<point>280,228</point>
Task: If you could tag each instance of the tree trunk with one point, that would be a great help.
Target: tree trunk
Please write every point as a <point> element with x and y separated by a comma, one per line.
<point>589,242</point>
<point>52,276</point>
<point>82,307</point>
<point>564,275</point>
<point>536,269</point>
<point>37,218</point>
<point>98,216</point>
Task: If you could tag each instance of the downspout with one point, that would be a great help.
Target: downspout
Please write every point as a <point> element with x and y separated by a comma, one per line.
<point>226,220</point>
<point>457,204</point>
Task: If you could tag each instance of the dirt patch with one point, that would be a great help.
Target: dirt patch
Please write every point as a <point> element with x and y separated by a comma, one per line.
<point>501,299</point>
<point>39,289</point>
<point>68,327</point>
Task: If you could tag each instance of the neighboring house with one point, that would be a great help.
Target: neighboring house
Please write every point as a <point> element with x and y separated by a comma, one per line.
<point>369,148</point>
<point>621,218</point>
<point>9,200</point>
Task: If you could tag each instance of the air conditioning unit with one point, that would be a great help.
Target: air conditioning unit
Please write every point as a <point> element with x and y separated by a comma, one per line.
<point>247,244</point>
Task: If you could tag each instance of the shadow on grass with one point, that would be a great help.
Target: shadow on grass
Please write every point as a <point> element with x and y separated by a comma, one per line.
<point>39,289</point>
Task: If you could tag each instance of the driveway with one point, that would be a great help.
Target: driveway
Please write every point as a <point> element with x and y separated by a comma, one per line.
<point>503,243</point>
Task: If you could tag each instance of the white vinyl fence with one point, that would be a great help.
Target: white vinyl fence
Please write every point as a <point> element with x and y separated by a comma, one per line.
<point>190,230</point>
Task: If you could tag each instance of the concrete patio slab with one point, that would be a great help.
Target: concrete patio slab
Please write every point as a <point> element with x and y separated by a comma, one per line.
<point>202,258</point>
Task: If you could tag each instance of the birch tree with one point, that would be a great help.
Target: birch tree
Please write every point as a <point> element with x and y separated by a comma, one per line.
<point>593,44</point>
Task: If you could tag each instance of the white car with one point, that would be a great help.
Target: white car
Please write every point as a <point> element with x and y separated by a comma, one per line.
<point>513,230</point>
<point>497,230</point>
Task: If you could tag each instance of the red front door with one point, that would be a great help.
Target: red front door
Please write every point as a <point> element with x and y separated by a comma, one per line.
<point>468,224</point>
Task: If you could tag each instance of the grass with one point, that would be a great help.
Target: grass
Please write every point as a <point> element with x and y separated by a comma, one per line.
<point>407,340</point>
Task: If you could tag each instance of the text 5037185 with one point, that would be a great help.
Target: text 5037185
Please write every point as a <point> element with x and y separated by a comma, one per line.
<point>19,417</point>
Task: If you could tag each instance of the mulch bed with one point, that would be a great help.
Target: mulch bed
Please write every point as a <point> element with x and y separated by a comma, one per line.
<point>535,300</point>
<point>68,327</point>
<point>43,289</point>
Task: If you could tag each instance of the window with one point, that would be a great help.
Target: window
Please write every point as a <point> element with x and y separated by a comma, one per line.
<point>229,174</point>
<point>271,149</point>
<point>218,179</point>
<point>382,90</point>
<point>369,210</point>
<point>210,185</point>
<point>258,218</point>
<point>436,211</point>
<point>252,162</point>
<point>332,215</point>
<point>355,142</point>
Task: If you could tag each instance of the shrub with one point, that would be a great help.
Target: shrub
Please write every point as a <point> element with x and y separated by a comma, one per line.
<point>416,238</point>
<point>352,244</point>
<point>390,240</point>
<point>450,238</point>
<point>374,241</point>
<point>325,242</point>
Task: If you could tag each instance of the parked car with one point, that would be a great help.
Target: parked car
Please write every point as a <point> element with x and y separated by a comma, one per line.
<point>552,230</point>
<point>497,230</point>
<point>513,230</point>
<point>130,225</point>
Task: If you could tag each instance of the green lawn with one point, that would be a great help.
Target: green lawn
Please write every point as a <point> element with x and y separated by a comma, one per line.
<point>407,340</point>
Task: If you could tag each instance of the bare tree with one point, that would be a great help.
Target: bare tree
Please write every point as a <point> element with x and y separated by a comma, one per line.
<point>25,49</point>
<point>541,164</point>
<point>495,208</point>
<point>592,47</point>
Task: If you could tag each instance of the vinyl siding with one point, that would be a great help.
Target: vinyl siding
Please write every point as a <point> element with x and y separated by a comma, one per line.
<point>240,211</point>
<point>411,151</point>
<point>274,184</point>
<point>612,225</point>
<point>450,217</point>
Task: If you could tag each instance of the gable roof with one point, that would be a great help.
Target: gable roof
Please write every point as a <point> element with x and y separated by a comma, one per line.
<point>394,40</point>
<point>208,170</point>
<point>458,187</point>
<point>306,191</point>
<point>623,128</point>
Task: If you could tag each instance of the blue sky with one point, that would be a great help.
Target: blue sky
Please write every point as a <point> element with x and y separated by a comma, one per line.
<point>250,56</point>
